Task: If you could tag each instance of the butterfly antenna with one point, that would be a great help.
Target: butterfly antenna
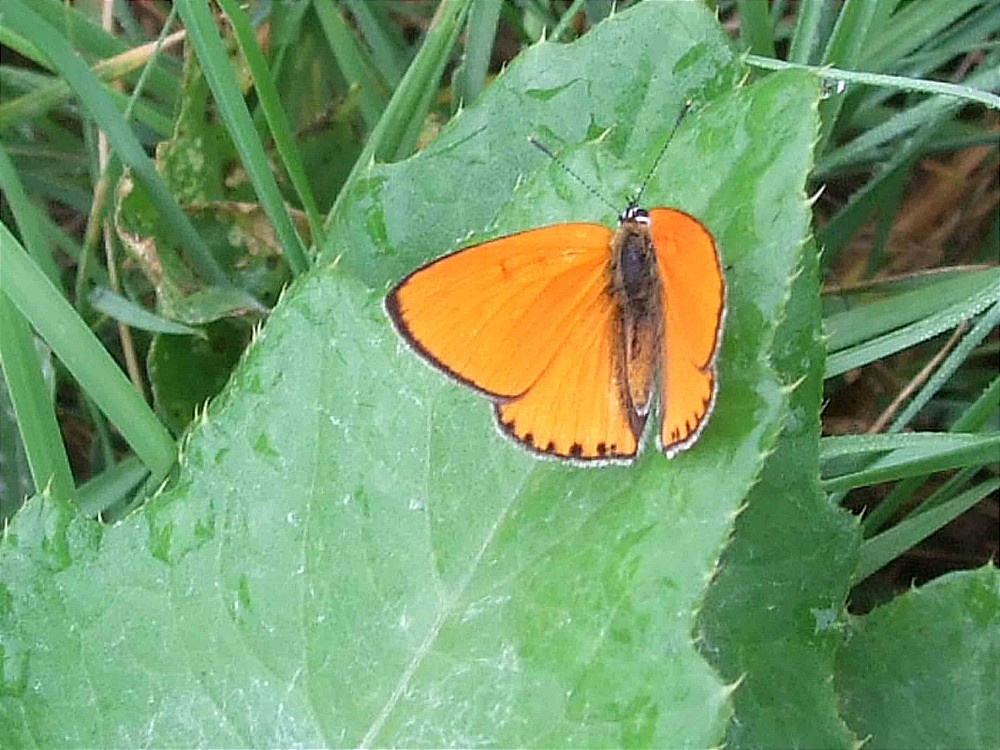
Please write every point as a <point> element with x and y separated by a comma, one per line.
<point>590,188</point>
<point>659,156</point>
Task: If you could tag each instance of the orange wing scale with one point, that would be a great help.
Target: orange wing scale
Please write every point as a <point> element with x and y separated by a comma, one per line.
<point>527,320</point>
<point>693,294</point>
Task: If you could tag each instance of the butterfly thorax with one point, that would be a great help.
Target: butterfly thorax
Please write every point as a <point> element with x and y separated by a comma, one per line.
<point>635,289</point>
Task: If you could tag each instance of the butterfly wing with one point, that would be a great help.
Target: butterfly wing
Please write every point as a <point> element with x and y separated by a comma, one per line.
<point>693,293</point>
<point>526,319</point>
<point>576,407</point>
<point>494,315</point>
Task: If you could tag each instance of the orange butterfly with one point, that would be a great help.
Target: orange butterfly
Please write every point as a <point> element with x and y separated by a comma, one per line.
<point>569,328</point>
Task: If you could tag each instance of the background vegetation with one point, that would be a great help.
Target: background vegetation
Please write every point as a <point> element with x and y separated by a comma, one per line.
<point>168,170</point>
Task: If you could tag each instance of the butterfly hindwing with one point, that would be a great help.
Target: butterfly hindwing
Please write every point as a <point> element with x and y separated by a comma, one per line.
<point>575,409</point>
<point>693,293</point>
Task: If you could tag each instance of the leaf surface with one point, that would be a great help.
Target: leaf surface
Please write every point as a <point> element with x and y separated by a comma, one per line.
<point>350,554</point>
<point>924,670</point>
<point>772,618</point>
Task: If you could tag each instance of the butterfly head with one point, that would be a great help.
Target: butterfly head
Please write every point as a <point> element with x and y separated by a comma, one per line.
<point>633,214</point>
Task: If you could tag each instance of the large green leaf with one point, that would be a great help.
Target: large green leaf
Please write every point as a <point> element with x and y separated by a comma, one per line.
<point>924,670</point>
<point>350,554</point>
<point>772,616</point>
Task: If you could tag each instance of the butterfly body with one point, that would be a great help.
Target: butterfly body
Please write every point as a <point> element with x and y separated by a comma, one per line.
<point>635,289</point>
<point>573,330</point>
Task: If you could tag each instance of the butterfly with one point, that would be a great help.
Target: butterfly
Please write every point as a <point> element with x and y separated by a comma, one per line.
<point>574,331</point>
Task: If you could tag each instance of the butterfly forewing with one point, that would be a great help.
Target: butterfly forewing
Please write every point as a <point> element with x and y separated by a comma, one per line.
<point>494,315</point>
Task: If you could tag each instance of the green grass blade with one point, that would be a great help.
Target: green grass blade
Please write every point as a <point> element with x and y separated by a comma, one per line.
<point>74,24</point>
<point>395,134</point>
<point>29,393</point>
<point>844,49</point>
<point>885,220</point>
<point>805,38</point>
<point>277,120</point>
<point>983,327</point>
<point>977,88</point>
<point>868,199</point>
<point>480,32</point>
<point>933,295</point>
<point>50,94</point>
<point>984,408</point>
<point>440,40</point>
<point>971,36</point>
<point>860,447</point>
<point>922,329</point>
<point>945,370</point>
<point>912,454</point>
<point>388,48</point>
<point>972,420</point>
<point>950,98</point>
<point>880,550</point>
<point>559,32</point>
<point>947,139</point>
<point>131,27</point>
<point>19,44</point>
<point>103,440</point>
<point>15,469</point>
<point>33,407</point>
<point>913,26</point>
<point>353,61</point>
<point>44,306</point>
<point>204,37</point>
<point>27,216</point>
<point>755,27</point>
<point>58,91</point>
<point>112,486</point>
<point>103,300</point>
<point>947,316</point>
<point>95,98</point>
